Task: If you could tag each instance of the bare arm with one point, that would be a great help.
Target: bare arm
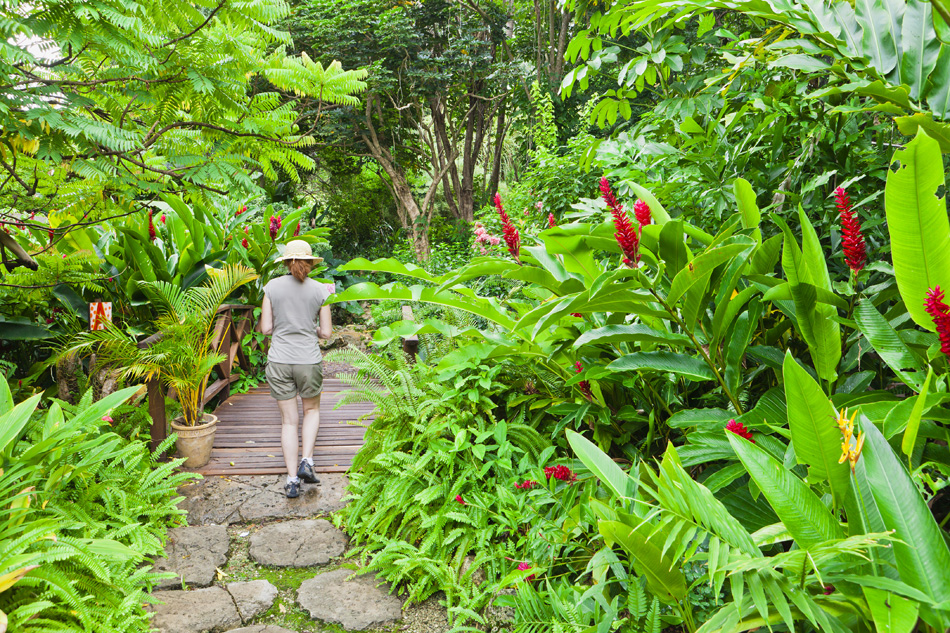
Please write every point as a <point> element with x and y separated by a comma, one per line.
<point>267,316</point>
<point>325,328</point>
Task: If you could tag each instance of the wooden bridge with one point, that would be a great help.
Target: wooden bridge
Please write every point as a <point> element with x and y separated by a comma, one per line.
<point>247,441</point>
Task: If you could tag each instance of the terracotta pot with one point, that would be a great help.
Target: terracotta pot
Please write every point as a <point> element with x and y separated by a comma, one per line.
<point>194,442</point>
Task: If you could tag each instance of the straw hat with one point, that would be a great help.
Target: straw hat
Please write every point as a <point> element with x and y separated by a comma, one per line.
<point>298,249</point>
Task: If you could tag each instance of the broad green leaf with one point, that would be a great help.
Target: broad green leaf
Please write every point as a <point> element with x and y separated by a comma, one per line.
<point>815,434</point>
<point>783,292</point>
<point>664,579</point>
<point>12,423</point>
<point>891,613</point>
<point>672,247</point>
<point>887,343</point>
<point>680,364</point>
<point>804,515</point>
<point>815,323</point>
<point>745,199</point>
<point>397,267</point>
<point>6,398</point>
<point>626,333</point>
<point>877,41</point>
<point>702,266</point>
<point>913,422</point>
<point>920,46</point>
<point>923,558</point>
<point>938,131</point>
<point>598,462</point>
<point>14,331</point>
<point>938,91</point>
<point>477,305</point>
<point>918,225</point>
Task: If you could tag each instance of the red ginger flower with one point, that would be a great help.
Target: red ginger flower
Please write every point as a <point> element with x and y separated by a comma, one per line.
<point>49,233</point>
<point>241,210</point>
<point>855,250</point>
<point>940,313</point>
<point>509,232</point>
<point>274,226</point>
<point>628,239</point>
<point>642,210</point>
<point>244,242</point>
<point>739,429</point>
<point>297,230</point>
<point>524,567</point>
<point>162,219</point>
<point>151,227</point>
<point>583,385</point>
<point>460,499</point>
<point>551,221</point>
<point>560,472</point>
<point>527,484</point>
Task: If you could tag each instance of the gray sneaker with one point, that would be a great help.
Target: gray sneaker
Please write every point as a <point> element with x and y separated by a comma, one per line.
<point>292,490</point>
<point>305,473</point>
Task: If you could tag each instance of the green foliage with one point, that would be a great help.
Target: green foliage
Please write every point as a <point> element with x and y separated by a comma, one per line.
<point>83,509</point>
<point>435,440</point>
<point>144,97</point>
<point>183,356</point>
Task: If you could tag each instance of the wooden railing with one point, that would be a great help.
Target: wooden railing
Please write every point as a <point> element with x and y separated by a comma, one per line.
<point>233,323</point>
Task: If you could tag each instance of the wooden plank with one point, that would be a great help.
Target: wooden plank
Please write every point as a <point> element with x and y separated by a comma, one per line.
<point>249,430</point>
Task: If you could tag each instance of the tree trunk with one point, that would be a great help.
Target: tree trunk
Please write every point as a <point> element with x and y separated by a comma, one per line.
<point>499,145</point>
<point>406,206</point>
<point>453,192</point>
<point>557,68</point>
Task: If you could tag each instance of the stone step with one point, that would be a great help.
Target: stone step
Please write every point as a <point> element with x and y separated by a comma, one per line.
<point>213,609</point>
<point>356,604</point>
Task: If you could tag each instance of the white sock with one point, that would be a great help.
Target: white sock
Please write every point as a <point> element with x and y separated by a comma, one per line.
<point>309,460</point>
<point>292,480</point>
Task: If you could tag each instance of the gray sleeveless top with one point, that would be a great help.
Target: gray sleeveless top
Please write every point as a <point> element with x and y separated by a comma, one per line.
<point>296,310</point>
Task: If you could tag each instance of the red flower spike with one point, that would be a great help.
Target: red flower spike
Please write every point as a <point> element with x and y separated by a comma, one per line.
<point>527,484</point>
<point>524,567</point>
<point>274,226</point>
<point>460,499</point>
<point>244,242</point>
<point>628,239</point>
<point>151,227</point>
<point>162,219</point>
<point>49,233</point>
<point>855,250</point>
<point>739,429</point>
<point>551,221</point>
<point>241,210</point>
<point>583,385</point>
<point>940,313</point>
<point>509,232</point>
<point>642,210</point>
<point>297,230</point>
<point>560,472</point>
<point>577,314</point>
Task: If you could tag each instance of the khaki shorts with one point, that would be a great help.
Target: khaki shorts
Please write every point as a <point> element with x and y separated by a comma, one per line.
<point>288,381</point>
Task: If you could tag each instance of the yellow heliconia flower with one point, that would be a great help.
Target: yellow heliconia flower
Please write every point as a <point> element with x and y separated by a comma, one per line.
<point>846,426</point>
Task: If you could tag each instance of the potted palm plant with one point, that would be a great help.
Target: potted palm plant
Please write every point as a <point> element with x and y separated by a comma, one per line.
<point>181,355</point>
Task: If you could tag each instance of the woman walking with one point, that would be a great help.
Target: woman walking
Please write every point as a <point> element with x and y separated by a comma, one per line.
<point>294,315</point>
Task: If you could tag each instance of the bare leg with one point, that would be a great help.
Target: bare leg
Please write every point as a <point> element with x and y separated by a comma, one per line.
<point>288,433</point>
<point>311,424</point>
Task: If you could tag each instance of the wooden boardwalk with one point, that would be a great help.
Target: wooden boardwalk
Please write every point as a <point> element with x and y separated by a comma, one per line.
<point>248,434</point>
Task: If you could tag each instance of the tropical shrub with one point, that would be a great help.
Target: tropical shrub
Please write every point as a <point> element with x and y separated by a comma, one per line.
<point>83,508</point>
<point>435,472</point>
<point>651,336</point>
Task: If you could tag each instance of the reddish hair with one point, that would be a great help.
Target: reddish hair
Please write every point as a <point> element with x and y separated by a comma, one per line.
<point>299,268</point>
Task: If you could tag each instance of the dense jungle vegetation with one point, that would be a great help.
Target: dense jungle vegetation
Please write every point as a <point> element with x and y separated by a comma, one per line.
<point>678,269</point>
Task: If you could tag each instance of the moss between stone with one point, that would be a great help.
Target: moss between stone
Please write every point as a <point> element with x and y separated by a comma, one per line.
<point>241,568</point>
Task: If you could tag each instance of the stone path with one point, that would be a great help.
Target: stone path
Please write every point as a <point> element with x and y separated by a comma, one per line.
<point>253,561</point>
